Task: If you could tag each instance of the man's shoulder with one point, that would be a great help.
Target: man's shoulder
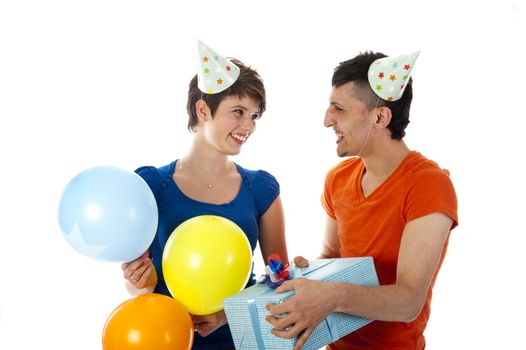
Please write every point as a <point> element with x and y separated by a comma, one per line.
<point>346,165</point>
<point>345,172</point>
<point>422,175</point>
<point>418,165</point>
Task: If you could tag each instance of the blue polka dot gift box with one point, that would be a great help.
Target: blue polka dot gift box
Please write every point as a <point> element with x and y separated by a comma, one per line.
<point>246,310</point>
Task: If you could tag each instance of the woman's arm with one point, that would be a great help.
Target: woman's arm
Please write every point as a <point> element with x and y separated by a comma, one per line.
<point>272,232</point>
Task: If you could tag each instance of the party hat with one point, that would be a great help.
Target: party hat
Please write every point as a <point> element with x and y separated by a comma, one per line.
<point>388,76</point>
<point>215,73</point>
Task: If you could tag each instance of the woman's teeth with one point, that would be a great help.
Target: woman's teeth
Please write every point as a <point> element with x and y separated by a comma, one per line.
<point>239,137</point>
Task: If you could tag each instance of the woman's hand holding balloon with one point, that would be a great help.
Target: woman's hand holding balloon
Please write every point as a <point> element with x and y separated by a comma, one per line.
<point>140,273</point>
<point>206,324</point>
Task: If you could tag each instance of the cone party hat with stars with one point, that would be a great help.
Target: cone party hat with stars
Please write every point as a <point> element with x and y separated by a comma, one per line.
<point>215,73</point>
<point>388,76</point>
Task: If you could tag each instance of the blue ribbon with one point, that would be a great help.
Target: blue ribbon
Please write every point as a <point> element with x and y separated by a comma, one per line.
<point>252,309</point>
<point>333,330</point>
<point>275,266</point>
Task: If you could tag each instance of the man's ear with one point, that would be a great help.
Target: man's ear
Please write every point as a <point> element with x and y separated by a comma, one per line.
<point>202,110</point>
<point>383,117</point>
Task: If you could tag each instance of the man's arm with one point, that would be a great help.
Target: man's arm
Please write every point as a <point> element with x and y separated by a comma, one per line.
<point>420,252</point>
<point>419,255</point>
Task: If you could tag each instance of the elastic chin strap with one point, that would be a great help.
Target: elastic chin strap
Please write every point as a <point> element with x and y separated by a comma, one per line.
<point>369,131</point>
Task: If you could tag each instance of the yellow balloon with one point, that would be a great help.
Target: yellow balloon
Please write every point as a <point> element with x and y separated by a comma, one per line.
<point>206,259</point>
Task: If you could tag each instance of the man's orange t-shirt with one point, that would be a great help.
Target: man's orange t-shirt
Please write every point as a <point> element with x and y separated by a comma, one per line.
<point>373,226</point>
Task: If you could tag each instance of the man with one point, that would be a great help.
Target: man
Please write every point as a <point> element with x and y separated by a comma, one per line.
<point>385,201</point>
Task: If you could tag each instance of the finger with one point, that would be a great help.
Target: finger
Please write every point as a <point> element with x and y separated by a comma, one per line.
<point>132,268</point>
<point>141,283</point>
<point>271,308</point>
<point>289,333</point>
<point>278,309</point>
<point>303,337</point>
<point>286,286</point>
<point>136,262</point>
<point>300,261</point>
<point>280,323</point>
<point>141,275</point>
<point>141,270</point>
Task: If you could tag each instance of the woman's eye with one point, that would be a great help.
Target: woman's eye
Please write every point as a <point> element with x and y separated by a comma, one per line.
<point>256,116</point>
<point>238,112</point>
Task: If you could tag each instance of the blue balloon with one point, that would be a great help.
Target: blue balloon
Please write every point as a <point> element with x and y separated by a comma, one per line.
<point>107,213</point>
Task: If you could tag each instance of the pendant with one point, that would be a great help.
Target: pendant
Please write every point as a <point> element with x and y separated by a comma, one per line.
<point>210,186</point>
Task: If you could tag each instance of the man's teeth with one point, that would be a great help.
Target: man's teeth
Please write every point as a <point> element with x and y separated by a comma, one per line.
<point>339,136</point>
<point>241,138</point>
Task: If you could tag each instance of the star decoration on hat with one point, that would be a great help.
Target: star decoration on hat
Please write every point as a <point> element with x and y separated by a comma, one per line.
<point>392,67</point>
<point>215,73</point>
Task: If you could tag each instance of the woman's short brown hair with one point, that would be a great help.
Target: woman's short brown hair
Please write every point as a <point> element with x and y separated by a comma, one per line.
<point>249,83</point>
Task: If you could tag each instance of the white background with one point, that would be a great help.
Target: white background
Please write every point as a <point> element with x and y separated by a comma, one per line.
<point>87,83</point>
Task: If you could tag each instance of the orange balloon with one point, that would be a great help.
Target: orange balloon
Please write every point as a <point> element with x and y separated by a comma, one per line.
<point>148,322</point>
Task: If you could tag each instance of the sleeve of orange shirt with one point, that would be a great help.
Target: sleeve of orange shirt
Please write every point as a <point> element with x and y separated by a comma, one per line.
<point>326,195</point>
<point>334,179</point>
<point>429,192</point>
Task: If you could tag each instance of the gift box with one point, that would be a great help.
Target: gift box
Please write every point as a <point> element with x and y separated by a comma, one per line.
<point>246,310</point>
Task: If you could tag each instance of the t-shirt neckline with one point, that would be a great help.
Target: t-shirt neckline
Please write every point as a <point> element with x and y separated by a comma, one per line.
<point>390,178</point>
<point>240,172</point>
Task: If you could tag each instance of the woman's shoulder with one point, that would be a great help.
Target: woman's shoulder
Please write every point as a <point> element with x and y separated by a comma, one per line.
<point>262,185</point>
<point>257,177</point>
<point>153,171</point>
<point>154,176</point>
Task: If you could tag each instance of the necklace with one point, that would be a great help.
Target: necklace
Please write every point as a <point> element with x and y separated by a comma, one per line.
<point>205,182</point>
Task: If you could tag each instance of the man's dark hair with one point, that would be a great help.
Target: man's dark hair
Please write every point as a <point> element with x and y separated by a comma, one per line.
<point>356,70</point>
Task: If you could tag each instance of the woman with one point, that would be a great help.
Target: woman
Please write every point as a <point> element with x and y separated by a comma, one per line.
<point>204,181</point>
